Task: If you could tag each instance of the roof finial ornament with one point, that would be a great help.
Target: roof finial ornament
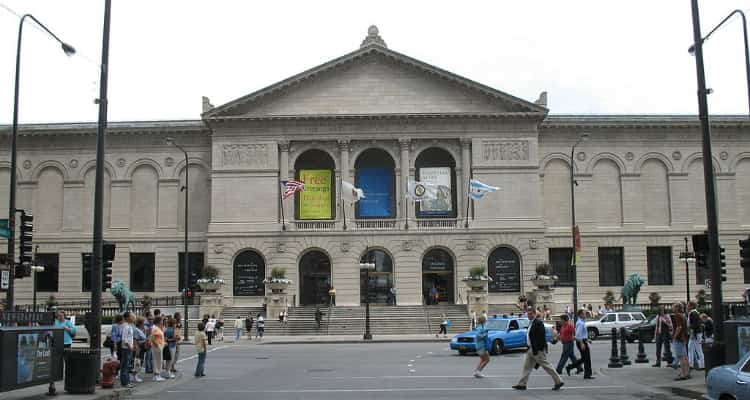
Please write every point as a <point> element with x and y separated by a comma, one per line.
<point>373,37</point>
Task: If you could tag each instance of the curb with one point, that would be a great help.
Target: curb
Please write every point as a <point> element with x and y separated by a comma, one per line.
<point>357,341</point>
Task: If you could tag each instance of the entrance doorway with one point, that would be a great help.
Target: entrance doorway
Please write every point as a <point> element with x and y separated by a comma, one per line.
<point>380,283</point>
<point>438,282</point>
<point>315,278</point>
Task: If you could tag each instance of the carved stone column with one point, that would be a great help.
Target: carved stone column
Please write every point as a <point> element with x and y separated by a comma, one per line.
<point>404,179</point>
<point>466,176</point>
<point>344,173</point>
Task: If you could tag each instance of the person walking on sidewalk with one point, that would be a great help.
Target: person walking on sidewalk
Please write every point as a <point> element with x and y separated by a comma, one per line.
<point>210,329</point>
<point>481,345</point>
<point>696,358</point>
<point>127,349</point>
<point>237,329</point>
<point>157,348</point>
<point>249,327</point>
<point>260,327</point>
<point>679,342</point>
<point>584,347</point>
<point>536,339</point>
<point>662,334</point>
<point>443,326</point>
<point>201,347</point>
<point>318,318</point>
<point>332,295</point>
<point>567,338</point>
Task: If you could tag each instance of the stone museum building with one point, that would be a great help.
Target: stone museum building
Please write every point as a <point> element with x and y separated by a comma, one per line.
<point>377,118</point>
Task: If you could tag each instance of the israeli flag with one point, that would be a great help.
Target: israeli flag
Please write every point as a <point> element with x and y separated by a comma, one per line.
<point>478,189</point>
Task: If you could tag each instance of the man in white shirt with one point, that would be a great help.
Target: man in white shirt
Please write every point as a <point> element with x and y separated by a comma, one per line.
<point>127,348</point>
<point>210,329</point>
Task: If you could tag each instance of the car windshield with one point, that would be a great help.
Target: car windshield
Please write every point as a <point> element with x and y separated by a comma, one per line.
<point>497,325</point>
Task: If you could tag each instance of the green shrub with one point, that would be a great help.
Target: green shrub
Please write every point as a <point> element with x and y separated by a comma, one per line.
<point>476,272</point>
<point>278,273</point>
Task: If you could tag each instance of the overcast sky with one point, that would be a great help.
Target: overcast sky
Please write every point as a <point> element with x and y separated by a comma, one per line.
<point>600,57</point>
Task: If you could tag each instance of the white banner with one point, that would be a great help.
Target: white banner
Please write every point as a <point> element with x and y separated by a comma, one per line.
<point>441,177</point>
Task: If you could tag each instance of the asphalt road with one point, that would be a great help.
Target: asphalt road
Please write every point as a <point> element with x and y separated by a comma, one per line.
<point>393,371</point>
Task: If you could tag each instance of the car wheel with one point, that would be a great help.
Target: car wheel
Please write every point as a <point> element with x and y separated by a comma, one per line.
<point>631,339</point>
<point>497,347</point>
<point>462,352</point>
<point>593,333</point>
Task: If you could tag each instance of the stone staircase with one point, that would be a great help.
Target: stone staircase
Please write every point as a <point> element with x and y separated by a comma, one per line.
<point>500,309</point>
<point>350,320</point>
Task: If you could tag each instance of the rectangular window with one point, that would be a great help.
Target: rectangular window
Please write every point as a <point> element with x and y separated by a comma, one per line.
<point>196,270</point>
<point>659,264</point>
<point>560,259</point>
<point>85,272</point>
<point>47,281</point>
<point>611,266</point>
<point>142,267</point>
<point>701,274</point>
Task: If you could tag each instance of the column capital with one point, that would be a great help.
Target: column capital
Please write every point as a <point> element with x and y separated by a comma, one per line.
<point>283,145</point>
<point>465,142</point>
<point>404,143</point>
<point>343,144</point>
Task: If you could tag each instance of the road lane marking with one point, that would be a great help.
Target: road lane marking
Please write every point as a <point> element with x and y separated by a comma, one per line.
<point>393,390</point>
<point>209,351</point>
<point>413,376</point>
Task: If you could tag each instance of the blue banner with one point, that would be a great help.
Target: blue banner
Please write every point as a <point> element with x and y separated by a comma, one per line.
<point>377,185</point>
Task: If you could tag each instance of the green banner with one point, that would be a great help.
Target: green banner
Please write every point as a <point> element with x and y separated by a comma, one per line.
<point>4,229</point>
<point>315,200</point>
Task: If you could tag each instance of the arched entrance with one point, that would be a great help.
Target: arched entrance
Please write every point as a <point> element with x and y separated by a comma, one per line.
<point>249,270</point>
<point>438,282</point>
<point>315,278</point>
<point>381,279</point>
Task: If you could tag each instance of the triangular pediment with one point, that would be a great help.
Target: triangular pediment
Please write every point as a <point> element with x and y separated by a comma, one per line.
<point>374,81</point>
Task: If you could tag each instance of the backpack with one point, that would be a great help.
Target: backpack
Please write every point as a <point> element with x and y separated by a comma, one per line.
<point>695,323</point>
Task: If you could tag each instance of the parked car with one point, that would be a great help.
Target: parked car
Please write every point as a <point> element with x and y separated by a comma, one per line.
<point>645,328</point>
<point>503,334</point>
<point>603,325</point>
<point>729,382</point>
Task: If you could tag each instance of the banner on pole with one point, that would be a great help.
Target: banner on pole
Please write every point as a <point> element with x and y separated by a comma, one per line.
<point>315,202</point>
<point>577,250</point>
<point>442,203</point>
<point>377,184</point>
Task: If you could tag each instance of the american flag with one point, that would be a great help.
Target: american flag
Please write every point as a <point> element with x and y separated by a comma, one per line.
<point>291,187</point>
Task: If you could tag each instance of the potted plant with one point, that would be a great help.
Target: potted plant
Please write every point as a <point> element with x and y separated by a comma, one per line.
<point>654,298</point>
<point>543,277</point>
<point>52,303</point>
<point>477,278</point>
<point>278,280</point>
<point>210,281</point>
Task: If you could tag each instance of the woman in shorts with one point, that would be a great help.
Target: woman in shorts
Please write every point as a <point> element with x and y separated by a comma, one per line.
<point>481,345</point>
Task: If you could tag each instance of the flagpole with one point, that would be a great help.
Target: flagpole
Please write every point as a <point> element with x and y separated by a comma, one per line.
<point>281,204</point>
<point>343,210</point>
<point>468,201</point>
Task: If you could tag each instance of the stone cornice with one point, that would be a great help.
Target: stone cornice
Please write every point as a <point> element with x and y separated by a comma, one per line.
<point>113,128</point>
<point>644,121</point>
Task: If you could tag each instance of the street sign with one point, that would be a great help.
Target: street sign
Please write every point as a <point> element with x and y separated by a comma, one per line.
<point>708,284</point>
<point>4,279</point>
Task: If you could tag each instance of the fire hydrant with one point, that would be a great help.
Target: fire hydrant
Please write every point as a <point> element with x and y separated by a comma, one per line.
<point>109,370</point>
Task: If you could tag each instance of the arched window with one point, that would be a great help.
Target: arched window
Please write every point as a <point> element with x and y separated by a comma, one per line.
<point>378,288</point>
<point>438,167</point>
<point>504,267</point>
<point>318,201</point>
<point>249,272</point>
<point>437,277</point>
<point>375,176</point>
<point>315,278</point>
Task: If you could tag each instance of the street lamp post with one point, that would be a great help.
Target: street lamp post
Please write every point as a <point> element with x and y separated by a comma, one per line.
<point>186,279</point>
<point>691,50</point>
<point>367,267</point>
<point>573,184</point>
<point>69,50</point>
<point>688,257</point>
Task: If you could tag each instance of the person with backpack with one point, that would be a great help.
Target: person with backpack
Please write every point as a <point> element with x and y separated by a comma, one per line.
<point>481,346</point>
<point>249,327</point>
<point>696,358</point>
<point>662,335</point>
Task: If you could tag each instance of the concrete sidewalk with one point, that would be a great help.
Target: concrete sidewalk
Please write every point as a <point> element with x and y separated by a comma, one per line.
<point>337,339</point>
<point>661,378</point>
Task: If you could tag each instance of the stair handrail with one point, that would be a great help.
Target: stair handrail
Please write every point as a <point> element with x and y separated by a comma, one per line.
<point>427,318</point>
<point>328,322</point>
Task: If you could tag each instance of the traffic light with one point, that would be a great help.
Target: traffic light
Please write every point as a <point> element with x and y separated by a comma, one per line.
<point>108,255</point>
<point>745,253</point>
<point>22,270</point>
<point>723,264</point>
<point>25,247</point>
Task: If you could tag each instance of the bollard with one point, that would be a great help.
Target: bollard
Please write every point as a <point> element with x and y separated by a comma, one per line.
<point>624,359</point>
<point>614,359</point>
<point>642,357</point>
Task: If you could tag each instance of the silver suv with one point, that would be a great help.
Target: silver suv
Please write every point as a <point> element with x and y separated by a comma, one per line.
<point>604,324</point>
